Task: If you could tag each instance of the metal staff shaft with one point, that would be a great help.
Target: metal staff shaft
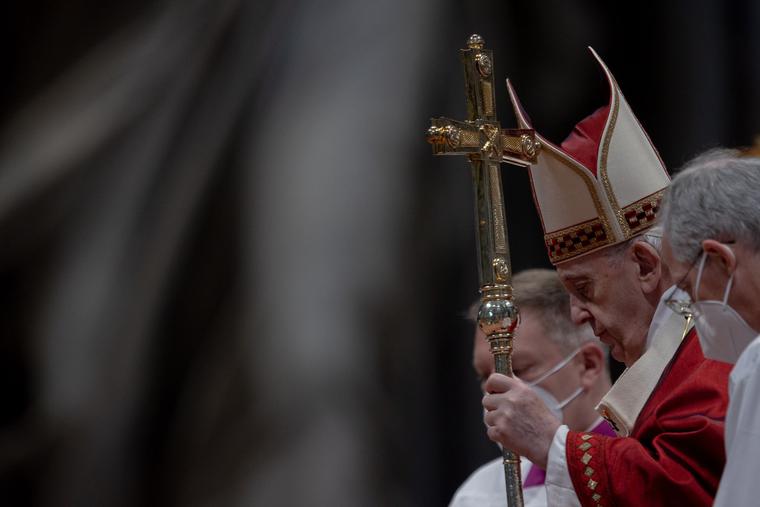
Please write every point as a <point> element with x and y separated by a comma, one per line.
<point>498,316</point>
<point>487,145</point>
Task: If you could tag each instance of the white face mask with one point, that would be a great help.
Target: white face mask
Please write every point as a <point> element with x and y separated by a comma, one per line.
<point>555,406</point>
<point>723,333</point>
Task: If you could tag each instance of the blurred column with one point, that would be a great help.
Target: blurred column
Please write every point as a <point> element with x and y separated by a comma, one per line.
<point>328,194</point>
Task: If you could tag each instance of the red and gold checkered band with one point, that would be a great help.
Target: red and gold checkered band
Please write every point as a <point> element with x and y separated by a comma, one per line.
<point>576,240</point>
<point>642,214</point>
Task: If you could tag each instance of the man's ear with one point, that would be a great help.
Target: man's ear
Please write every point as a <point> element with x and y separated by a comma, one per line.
<point>593,364</point>
<point>648,264</point>
<point>721,253</point>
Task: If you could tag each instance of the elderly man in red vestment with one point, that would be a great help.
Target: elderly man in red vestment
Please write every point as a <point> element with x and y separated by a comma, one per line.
<point>597,196</point>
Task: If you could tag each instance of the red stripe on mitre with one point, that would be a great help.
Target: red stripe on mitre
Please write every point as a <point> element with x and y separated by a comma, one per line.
<point>583,142</point>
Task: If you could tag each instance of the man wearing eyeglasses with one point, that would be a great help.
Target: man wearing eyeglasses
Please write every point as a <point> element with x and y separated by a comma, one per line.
<point>711,220</point>
<point>598,197</point>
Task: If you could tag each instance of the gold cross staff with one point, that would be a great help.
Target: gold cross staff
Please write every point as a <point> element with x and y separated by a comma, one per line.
<point>487,145</point>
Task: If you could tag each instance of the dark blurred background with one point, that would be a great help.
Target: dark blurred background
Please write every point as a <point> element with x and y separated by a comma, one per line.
<point>231,273</point>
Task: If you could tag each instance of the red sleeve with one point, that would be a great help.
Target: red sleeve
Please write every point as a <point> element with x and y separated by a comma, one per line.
<point>675,455</point>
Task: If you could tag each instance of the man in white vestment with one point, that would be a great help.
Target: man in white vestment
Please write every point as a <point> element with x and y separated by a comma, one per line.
<point>562,361</point>
<point>711,220</point>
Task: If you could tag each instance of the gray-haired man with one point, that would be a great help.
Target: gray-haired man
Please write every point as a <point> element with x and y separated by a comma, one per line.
<point>711,221</point>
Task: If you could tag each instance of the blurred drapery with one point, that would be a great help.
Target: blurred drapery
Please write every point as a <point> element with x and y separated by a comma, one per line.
<point>232,274</point>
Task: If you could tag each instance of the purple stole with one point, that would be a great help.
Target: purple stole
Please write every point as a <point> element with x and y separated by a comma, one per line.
<point>537,476</point>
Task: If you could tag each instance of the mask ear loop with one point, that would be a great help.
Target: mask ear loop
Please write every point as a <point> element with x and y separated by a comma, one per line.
<point>699,276</point>
<point>730,281</point>
<point>551,371</point>
<point>699,280</point>
<point>570,398</point>
<point>728,288</point>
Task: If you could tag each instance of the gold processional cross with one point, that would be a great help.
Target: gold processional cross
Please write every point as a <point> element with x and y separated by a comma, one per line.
<point>487,145</point>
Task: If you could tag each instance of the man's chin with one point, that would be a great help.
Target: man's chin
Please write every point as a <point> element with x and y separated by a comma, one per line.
<point>617,354</point>
<point>616,351</point>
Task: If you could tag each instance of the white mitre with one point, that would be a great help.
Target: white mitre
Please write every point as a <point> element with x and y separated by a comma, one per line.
<point>602,186</point>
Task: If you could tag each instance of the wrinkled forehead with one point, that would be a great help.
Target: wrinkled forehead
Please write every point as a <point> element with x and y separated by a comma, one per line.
<point>589,266</point>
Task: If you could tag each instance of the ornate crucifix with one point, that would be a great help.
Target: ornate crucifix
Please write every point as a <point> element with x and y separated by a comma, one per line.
<point>487,145</point>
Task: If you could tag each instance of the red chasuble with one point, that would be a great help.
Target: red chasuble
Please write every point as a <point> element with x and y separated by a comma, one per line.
<point>675,454</point>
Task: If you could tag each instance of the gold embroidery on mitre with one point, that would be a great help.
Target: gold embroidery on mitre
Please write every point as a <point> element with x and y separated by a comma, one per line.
<point>596,497</point>
<point>589,471</point>
<point>605,150</point>
<point>592,484</point>
<point>585,446</point>
<point>632,218</point>
<point>642,213</point>
<point>586,436</point>
<point>576,240</point>
<point>586,458</point>
<point>581,171</point>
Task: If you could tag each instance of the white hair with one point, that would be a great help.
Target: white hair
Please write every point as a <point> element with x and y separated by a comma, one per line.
<point>652,236</point>
<point>715,196</point>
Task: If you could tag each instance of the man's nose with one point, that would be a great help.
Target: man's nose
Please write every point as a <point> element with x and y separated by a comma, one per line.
<point>579,314</point>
